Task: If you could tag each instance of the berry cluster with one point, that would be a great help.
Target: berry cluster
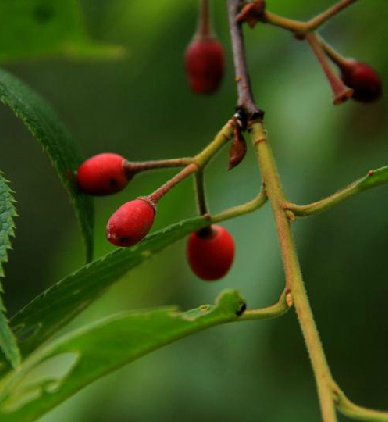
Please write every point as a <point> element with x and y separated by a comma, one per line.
<point>210,251</point>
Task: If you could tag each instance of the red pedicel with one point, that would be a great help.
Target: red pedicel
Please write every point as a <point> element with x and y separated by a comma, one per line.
<point>131,222</point>
<point>210,252</point>
<point>204,61</point>
<point>102,174</point>
<point>363,79</point>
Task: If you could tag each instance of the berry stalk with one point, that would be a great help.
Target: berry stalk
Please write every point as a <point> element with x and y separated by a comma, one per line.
<point>131,168</point>
<point>160,192</point>
<point>204,25</point>
<point>341,92</point>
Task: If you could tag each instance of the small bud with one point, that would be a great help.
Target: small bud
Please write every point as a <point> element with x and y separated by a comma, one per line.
<point>238,148</point>
<point>363,79</point>
<point>204,62</point>
<point>102,174</point>
<point>131,222</point>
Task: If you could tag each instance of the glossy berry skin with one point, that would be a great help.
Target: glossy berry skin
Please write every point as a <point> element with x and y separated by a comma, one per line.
<point>102,174</point>
<point>363,79</point>
<point>211,256</point>
<point>131,222</point>
<point>204,62</point>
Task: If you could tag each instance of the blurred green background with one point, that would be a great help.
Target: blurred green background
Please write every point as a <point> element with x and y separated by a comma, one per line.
<point>140,106</point>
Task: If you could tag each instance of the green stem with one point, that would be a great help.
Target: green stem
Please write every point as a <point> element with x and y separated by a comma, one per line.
<point>354,411</point>
<point>238,210</point>
<point>373,179</point>
<point>273,311</point>
<point>197,163</point>
<point>293,274</point>
<point>294,26</point>
<point>200,190</point>
<point>323,17</point>
<point>223,136</point>
<point>303,28</point>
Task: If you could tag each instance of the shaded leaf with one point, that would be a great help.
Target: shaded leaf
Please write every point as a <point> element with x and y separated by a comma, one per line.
<point>50,311</point>
<point>57,371</point>
<point>8,342</point>
<point>45,126</point>
<point>36,28</point>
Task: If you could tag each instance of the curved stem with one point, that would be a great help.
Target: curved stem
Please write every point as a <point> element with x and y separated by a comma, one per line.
<point>293,274</point>
<point>238,210</point>
<point>323,17</point>
<point>303,28</point>
<point>273,311</point>
<point>373,179</point>
<point>294,26</point>
<point>354,411</point>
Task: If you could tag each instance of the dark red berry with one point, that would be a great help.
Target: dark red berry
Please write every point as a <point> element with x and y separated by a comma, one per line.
<point>131,222</point>
<point>210,252</point>
<point>363,79</point>
<point>204,61</point>
<point>102,174</point>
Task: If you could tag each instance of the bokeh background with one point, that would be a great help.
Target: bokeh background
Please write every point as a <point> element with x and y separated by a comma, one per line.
<point>140,106</point>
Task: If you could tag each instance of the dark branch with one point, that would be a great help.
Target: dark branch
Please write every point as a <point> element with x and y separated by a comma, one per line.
<point>245,97</point>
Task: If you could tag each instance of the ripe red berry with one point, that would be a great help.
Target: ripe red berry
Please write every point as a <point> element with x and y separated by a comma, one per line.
<point>131,222</point>
<point>210,253</point>
<point>363,79</point>
<point>204,61</point>
<point>102,174</point>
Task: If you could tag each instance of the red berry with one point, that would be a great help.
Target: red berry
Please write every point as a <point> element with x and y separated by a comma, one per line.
<point>210,253</point>
<point>102,174</point>
<point>131,222</point>
<point>204,61</point>
<point>363,79</point>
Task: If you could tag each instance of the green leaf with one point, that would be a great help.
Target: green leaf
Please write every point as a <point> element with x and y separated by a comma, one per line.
<point>62,368</point>
<point>53,136</point>
<point>62,302</point>
<point>36,28</point>
<point>8,342</point>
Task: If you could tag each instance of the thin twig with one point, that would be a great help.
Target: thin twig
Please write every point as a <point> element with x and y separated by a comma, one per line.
<point>373,179</point>
<point>320,19</point>
<point>159,193</point>
<point>244,92</point>
<point>341,92</point>
<point>130,168</point>
<point>200,191</point>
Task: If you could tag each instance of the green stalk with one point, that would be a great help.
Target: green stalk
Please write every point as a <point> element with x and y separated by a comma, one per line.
<point>293,274</point>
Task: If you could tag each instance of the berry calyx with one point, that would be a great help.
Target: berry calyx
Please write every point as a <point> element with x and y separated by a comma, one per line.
<point>363,79</point>
<point>102,174</point>
<point>210,252</point>
<point>131,222</point>
<point>204,62</point>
